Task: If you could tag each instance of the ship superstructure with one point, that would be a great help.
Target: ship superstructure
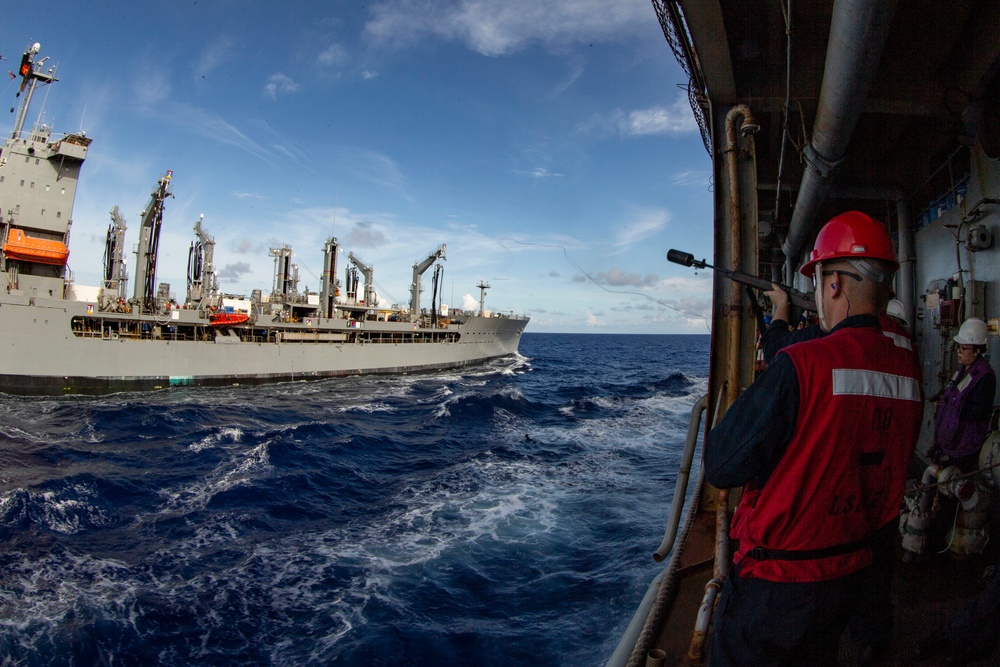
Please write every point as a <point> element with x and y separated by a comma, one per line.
<point>60,337</point>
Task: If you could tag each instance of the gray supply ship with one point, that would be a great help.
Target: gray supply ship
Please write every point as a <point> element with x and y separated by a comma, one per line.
<point>58,337</point>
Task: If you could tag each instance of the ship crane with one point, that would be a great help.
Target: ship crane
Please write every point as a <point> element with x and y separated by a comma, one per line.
<point>418,270</point>
<point>371,299</point>
<point>436,279</point>
<point>149,240</point>
<point>115,270</point>
<point>202,279</point>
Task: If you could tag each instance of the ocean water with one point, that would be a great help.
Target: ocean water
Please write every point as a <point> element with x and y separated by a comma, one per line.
<point>499,515</point>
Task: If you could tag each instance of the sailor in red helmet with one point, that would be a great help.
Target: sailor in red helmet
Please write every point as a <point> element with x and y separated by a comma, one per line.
<point>820,442</point>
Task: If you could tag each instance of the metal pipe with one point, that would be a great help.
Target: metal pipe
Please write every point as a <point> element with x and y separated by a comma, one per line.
<point>858,30</point>
<point>747,127</point>
<point>680,488</point>
<point>927,495</point>
<point>788,104</point>
<point>696,651</point>
<point>907,257</point>
<point>721,569</point>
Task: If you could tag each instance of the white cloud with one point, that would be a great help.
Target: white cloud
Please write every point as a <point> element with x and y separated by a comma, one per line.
<point>334,55</point>
<point>470,302</point>
<point>675,119</point>
<point>618,278</point>
<point>234,271</point>
<point>499,28</point>
<point>365,234</point>
<point>280,83</point>
<point>653,121</point>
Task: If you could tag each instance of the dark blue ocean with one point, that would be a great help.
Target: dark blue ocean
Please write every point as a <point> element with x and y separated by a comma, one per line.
<point>499,515</point>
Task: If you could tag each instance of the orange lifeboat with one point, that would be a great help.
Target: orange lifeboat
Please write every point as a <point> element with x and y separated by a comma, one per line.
<point>227,319</point>
<point>30,249</point>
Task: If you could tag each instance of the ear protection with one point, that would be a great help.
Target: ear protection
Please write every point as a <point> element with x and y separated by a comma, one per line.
<point>834,287</point>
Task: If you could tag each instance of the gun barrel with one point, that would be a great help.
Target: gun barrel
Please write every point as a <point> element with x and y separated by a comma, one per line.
<point>798,299</point>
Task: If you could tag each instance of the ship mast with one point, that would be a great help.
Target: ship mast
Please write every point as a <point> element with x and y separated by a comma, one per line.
<point>328,290</point>
<point>30,77</point>
<point>483,286</point>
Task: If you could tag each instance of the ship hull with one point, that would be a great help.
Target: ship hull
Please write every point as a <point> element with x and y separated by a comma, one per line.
<point>43,353</point>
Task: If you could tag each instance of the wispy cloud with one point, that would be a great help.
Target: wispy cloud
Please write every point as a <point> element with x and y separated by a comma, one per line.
<point>692,177</point>
<point>645,223</point>
<point>334,56</point>
<point>575,73</point>
<point>500,28</point>
<point>215,54</point>
<point>538,172</point>
<point>374,167</point>
<point>152,97</point>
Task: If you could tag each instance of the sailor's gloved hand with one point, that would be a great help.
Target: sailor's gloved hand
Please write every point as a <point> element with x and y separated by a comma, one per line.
<point>779,298</point>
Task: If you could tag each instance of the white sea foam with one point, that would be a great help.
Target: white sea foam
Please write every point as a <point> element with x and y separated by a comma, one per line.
<point>241,468</point>
<point>373,407</point>
<point>225,434</point>
<point>67,510</point>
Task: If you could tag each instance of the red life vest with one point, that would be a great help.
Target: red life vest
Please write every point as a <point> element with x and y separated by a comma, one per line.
<point>843,473</point>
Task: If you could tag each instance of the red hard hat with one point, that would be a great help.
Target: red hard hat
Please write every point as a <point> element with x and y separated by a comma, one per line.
<point>850,235</point>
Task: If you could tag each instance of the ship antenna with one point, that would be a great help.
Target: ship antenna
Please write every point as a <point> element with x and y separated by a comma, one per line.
<point>336,203</point>
<point>41,111</point>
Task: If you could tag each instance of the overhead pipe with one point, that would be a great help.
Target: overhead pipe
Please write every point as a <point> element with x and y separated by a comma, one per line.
<point>858,31</point>
<point>907,256</point>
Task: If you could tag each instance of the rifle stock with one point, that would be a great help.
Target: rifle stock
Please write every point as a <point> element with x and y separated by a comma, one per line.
<point>798,299</point>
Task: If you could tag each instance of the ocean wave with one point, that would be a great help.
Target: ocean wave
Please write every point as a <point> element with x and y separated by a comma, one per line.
<point>71,507</point>
<point>242,468</point>
<point>432,518</point>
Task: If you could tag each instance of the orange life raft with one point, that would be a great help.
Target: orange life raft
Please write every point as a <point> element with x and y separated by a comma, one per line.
<point>30,249</point>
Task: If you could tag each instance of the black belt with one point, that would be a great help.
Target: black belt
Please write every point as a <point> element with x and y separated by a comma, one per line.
<point>762,553</point>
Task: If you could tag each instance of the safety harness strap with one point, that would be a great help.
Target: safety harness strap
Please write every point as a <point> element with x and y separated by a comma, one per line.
<point>762,553</point>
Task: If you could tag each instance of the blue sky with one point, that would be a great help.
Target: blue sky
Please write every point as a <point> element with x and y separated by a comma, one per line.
<point>546,143</point>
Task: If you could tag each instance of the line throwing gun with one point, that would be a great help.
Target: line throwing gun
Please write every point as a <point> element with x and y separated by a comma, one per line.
<point>798,299</point>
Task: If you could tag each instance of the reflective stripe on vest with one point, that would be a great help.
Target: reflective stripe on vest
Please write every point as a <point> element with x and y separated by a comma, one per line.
<point>854,382</point>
